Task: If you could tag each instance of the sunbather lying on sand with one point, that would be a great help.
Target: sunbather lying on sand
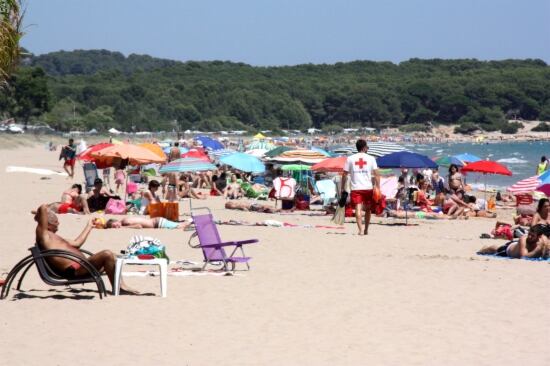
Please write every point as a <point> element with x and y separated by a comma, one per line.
<point>72,201</point>
<point>141,223</point>
<point>246,206</point>
<point>533,245</point>
<point>401,214</point>
<point>47,238</point>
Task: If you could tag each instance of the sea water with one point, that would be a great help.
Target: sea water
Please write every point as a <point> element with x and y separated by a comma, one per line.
<point>521,158</point>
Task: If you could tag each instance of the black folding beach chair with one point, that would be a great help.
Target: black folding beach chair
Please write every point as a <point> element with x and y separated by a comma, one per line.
<point>49,275</point>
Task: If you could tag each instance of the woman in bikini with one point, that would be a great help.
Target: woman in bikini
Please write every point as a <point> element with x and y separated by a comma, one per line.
<point>186,191</point>
<point>150,196</point>
<point>456,182</point>
<point>142,223</point>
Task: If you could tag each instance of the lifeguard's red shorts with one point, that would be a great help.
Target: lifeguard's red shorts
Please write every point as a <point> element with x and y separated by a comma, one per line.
<point>363,196</point>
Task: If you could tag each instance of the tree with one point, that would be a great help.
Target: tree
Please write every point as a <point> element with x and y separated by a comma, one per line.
<point>10,35</point>
<point>30,93</point>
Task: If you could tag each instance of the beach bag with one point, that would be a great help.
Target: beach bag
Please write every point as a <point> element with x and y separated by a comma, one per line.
<point>115,207</point>
<point>172,211</point>
<point>145,245</point>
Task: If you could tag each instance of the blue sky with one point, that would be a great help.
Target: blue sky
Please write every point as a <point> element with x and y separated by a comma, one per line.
<point>286,32</point>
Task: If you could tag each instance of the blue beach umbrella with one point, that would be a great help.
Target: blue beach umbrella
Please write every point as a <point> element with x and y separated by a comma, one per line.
<point>448,161</point>
<point>245,162</point>
<point>209,143</point>
<point>187,165</point>
<point>467,158</point>
<point>405,159</point>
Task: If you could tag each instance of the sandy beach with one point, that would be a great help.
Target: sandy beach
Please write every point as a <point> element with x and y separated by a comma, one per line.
<point>414,295</point>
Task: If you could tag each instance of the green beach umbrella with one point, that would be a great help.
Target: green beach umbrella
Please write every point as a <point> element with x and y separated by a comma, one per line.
<point>295,167</point>
<point>278,151</point>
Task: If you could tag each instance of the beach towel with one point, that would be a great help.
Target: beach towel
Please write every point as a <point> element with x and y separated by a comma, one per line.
<point>22,169</point>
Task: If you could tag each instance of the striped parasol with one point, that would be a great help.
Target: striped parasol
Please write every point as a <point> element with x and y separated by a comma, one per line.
<point>217,154</point>
<point>187,165</point>
<point>376,149</point>
<point>261,144</point>
<point>382,148</point>
<point>299,156</point>
<point>527,185</point>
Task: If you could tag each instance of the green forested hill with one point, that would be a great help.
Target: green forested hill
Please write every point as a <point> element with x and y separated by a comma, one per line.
<point>107,90</point>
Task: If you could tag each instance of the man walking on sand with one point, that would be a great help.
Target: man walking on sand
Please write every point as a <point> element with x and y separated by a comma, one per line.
<point>68,153</point>
<point>363,173</point>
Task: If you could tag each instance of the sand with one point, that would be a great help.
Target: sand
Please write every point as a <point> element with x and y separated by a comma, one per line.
<point>415,295</point>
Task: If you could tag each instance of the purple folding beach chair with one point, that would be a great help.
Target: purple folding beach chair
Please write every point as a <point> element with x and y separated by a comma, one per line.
<point>212,245</point>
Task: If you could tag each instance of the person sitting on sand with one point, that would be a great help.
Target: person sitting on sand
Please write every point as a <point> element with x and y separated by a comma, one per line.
<point>99,196</point>
<point>47,238</point>
<point>246,206</point>
<point>542,216</point>
<point>421,200</point>
<point>141,223</point>
<point>233,190</point>
<point>150,196</point>
<point>533,245</point>
<point>476,209</point>
<point>72,201</point>
<point>186,191</point>
<point>218,184</point>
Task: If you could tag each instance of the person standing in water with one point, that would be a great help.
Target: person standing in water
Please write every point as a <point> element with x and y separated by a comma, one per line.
<point>542,166</point>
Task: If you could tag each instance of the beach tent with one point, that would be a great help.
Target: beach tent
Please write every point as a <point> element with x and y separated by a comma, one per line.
<point>259,136</point>
<point>114,131</point>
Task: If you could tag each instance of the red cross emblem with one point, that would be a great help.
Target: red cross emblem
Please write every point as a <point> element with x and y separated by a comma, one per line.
<point>360,163</point>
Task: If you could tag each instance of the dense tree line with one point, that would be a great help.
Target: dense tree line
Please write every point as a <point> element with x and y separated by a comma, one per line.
<point>102,89</point>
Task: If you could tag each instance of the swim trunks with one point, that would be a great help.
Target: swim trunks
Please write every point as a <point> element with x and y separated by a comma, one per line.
<point>64,207</point>
<point>362,196</point>
<point>502,251</point>
<point>167,224</point>
<point>70,271</point>
<point>70,162</point>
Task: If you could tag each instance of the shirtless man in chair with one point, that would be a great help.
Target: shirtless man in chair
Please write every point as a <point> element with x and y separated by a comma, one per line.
<point>46,238</point>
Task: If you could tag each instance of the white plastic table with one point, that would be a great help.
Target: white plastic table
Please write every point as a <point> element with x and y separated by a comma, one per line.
<point>161,262</point>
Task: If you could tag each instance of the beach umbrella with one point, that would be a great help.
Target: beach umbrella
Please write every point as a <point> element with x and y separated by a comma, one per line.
<point>217,154</point>
<point>209,143</point>
<point>244,162</point>
<point>187,165</point>
<point>256,152</point>
<point>405,159</point>
<point>261,144</point>
<point>467,158</point>
<point>383,148</point>
<point>278,151</point>
<point>196,153</point>
<point>299,156</point>
<point>259,136</point>
<point>544,183</point>
<point>136,155</point>
<point>295,167</point>
<point>154,148</point>
<point>86,154</point>
<point>486,167</point>
<point>330,165</point>
<point>448,161</point>
<point>345,150</point>
<point>527,185</point>
<point>324,152</point>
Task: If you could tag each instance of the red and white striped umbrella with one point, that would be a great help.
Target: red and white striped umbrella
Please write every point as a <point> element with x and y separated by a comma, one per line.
<point>527,185</point>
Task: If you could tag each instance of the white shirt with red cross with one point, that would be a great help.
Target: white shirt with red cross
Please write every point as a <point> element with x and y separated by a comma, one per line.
<point>360,167</point>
